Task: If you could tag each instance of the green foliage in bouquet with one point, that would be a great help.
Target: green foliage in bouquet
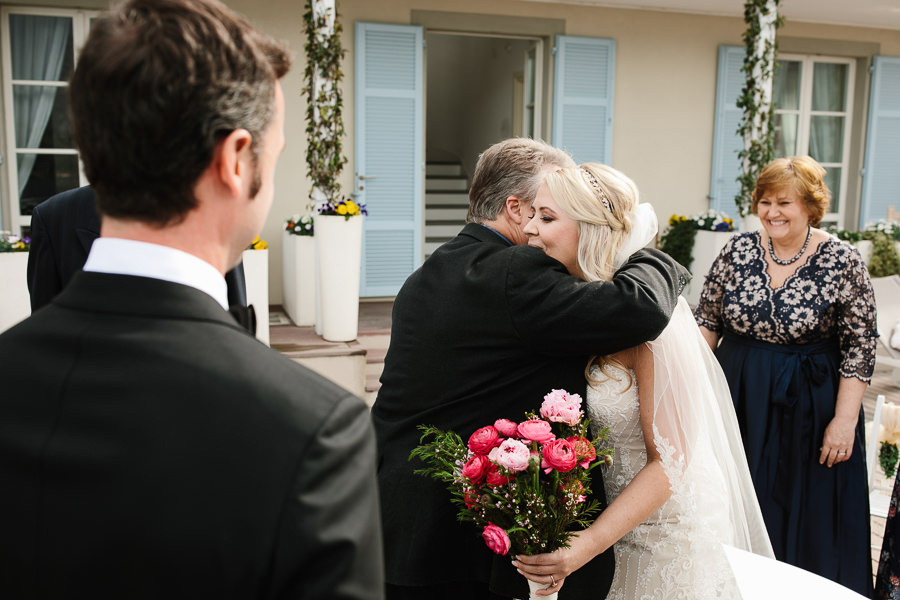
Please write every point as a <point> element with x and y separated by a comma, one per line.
<point>524,483</point>
<point>887,457</point>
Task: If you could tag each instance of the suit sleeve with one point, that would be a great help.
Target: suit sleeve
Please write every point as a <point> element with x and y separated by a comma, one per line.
<point>331,543</point>
<point>554,312</point>
<point>43,272</point>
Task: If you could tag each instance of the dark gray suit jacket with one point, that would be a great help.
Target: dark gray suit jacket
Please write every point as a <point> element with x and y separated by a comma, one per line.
<point>480,332</point>
<point>151,448</point>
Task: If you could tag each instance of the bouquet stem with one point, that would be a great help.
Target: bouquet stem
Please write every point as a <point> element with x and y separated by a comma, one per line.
<point>534,586</point>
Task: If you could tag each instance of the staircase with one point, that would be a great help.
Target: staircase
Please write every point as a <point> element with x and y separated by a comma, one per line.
<point>446,203</point>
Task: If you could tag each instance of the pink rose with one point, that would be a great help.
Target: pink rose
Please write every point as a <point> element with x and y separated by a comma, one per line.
<point>536,430</point>
<point>483,440</point>
<point>560,406</point>
<point>584,450</point>
<point>475,469</point>
<point>512,455</point>
<point>559,455</point>
<point>506,427</point>
<point>493,477</point>
<point>496,539</point>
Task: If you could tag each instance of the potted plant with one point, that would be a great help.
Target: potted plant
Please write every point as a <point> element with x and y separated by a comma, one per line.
<point>878,244</point>
<point>15,303</point>
<point>298,262</point>
<point>256,274</point>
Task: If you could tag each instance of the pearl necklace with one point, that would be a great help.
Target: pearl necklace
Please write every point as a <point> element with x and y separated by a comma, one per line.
<point>798,255</point>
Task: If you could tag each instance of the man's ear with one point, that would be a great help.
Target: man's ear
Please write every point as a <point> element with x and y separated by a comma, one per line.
<point>516,209</point>
<point>233,161</point>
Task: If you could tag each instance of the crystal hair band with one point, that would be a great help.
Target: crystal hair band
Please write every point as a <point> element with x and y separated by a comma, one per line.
<point>596,185</point>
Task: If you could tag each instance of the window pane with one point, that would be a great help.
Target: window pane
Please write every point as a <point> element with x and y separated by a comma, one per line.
<point>833,181</point>
<point>830,86</point>
<point>42,117</point>
<point>826,138</point>
<point>786,85</point>
<point>41,47</point>
<point>45,175</point>
<point>785,135</point>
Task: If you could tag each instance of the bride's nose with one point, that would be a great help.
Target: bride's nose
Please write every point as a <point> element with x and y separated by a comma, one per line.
<point>530,227</point>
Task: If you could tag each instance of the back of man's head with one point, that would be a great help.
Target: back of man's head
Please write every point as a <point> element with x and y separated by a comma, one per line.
<point>513,167</point>
<point>158,84</point>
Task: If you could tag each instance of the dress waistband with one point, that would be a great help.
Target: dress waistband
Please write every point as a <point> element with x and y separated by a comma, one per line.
<point>825,346</point>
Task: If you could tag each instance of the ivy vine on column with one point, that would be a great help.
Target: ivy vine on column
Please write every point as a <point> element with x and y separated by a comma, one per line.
<point>755,100</point>
<point>324,110</point>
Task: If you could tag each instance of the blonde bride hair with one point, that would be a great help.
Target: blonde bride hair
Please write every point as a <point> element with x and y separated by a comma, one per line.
<point>601,199</point>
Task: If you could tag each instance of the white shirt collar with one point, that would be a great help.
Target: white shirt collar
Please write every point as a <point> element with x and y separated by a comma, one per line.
<point>128,257</point>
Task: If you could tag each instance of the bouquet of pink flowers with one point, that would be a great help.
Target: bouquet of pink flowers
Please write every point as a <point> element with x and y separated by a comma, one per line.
<point>523,483</point>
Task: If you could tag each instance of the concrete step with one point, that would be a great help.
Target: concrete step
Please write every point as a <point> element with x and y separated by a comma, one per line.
<point>443,170</point>
<point>444,213</point>
<point>439,184</point>
<point>447,199</point>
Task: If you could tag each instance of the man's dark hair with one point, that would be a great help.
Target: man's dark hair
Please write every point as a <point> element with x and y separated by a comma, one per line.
<point>159,83</point>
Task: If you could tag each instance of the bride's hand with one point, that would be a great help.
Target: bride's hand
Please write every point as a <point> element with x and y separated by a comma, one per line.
<point>553,568</point>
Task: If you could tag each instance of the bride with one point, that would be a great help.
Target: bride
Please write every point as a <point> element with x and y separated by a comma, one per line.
<point>679,486</point>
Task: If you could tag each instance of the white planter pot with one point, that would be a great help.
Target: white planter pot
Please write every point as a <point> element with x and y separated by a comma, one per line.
<point>298,263</point>
<point>256,272</point>
<point>707,245</point>
<point>15,303</point>
<point>865,248</point>
<point>751,223</point>
<point>339,252</point>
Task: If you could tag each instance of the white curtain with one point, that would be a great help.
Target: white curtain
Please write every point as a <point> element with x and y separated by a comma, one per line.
<point>826,132</point>
<point>38,49</point>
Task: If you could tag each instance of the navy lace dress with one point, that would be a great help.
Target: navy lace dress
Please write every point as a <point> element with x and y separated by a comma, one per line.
<point>784,352</point>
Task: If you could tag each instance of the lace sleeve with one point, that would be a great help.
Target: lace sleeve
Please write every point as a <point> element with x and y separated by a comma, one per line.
<point>709,310</point>
<point>856,327</point>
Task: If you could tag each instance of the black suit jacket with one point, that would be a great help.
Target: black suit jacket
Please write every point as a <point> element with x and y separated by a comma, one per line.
<point>483,331</point>
<point>63,228</point>
<point>151,448</point>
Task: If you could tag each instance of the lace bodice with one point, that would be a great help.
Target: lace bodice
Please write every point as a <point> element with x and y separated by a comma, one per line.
<point>828,296</point>
<point>676,552</point>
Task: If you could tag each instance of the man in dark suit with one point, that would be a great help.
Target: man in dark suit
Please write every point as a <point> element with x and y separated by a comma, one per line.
<point>482,331</point>
<point>150,447</point>
<point>64,227</point>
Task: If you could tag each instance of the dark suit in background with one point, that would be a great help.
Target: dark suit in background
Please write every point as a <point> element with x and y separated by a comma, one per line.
<point>480,332</point>
<point>63,227</point>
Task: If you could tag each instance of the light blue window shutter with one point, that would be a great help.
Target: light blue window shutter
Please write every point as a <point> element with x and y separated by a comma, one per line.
<point>583,97</point>
<point>726,167</point>
<point>389,153</point>
<point>881,177</point>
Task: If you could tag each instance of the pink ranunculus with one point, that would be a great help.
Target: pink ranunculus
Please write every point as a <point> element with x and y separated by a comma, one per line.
<point>493,477</point>
<point>475,469</point>
<point>512,455</point>
<point>484,439</point>
<point>496,539</point>
<point>506,427</point>
<point>584,450</point>
<point>560,406</point>
<point>536,430</point>
<point>559,455</point>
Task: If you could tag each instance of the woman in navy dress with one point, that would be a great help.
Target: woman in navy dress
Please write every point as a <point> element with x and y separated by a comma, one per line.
<point>794,311</point>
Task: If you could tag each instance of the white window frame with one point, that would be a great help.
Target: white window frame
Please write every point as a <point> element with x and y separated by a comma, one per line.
<point>805,114</point>
<point>80,27</point>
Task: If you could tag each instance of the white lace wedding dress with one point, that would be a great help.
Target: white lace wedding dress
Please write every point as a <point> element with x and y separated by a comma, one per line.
<point>677,552</point>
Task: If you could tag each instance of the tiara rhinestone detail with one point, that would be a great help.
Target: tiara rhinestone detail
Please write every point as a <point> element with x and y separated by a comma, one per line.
<point>596,185</point>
